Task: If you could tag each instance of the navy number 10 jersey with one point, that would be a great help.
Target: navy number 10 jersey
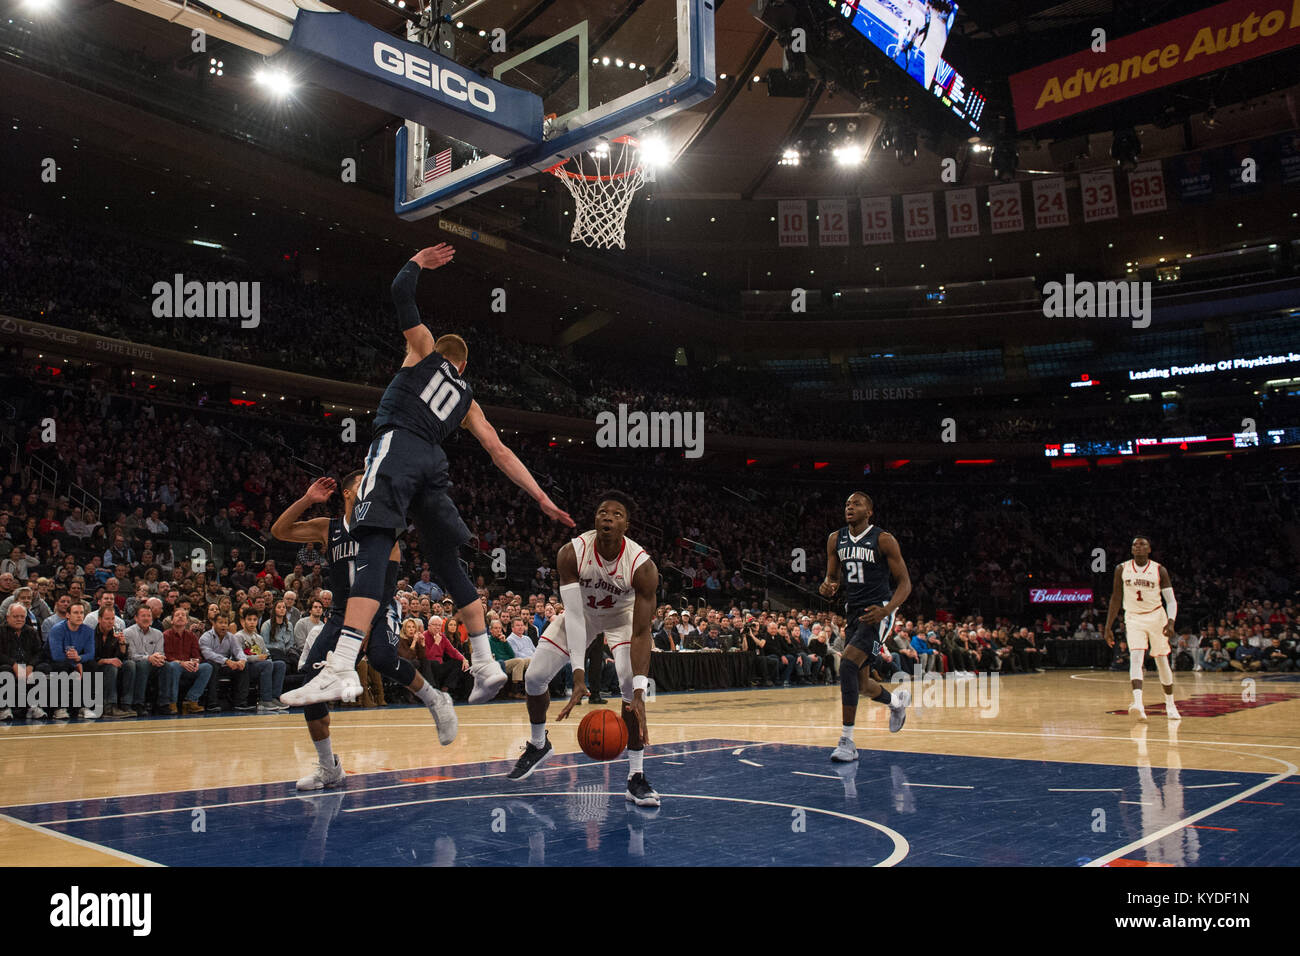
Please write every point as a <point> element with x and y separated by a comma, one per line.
<point>428,398</point>
<point>866,572</point>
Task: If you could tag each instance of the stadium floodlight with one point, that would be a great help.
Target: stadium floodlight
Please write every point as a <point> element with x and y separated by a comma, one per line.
<point>40,6</point>
<point>790,157</point>
<point>275,81</point>
<point>848,155</point>
<point>654,151</point>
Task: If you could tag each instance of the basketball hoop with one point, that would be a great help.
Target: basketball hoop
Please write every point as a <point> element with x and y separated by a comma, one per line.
<point>602,181</point>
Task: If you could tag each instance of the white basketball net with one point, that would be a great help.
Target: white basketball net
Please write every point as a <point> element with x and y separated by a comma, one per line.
<point>603,181</point>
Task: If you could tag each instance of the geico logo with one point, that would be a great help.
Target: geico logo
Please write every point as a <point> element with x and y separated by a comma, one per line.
<point>421,71</point>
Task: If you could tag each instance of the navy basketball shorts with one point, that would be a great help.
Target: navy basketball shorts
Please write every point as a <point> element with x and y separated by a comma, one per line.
<point>403,470</point>
<point>869,638</point>
<point>386,626</point>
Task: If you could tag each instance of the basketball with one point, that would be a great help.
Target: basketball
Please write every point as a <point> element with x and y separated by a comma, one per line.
<point>602,735</point>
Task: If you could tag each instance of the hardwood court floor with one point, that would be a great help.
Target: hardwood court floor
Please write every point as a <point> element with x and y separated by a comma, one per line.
<point>60,779</point>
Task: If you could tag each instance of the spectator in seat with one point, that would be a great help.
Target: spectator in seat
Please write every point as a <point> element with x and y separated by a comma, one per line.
<point>781,648</point>
<point>113,660</point>
<point>510,652</point>
<point>18,563</point>
<point>269,673</point>
<point>315,616</point>
<point>60,614</point>
<point>193,674</point>
<point>268,577</point>
<point>278,637</point>
<point>1276,657</point>
<point>146,647</point>
<point>71,647</point>
<point>1216,658</point>
<point>23,654</point>
<point>819,649</point>
<point>291,608</point>
<point>119,552</point>
<point>241,578</point>
<point>224,651</point>
<point>1246,658</point>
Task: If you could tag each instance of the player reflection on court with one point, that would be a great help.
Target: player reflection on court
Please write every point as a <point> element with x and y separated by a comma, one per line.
<point>587,807</point>
<point>323,811</point>
<point>1161,806</point>
<point>904,797</point>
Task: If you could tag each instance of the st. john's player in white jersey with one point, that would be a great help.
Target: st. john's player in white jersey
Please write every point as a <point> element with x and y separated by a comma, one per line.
<point>608,584</point>
<point>1148,623</point>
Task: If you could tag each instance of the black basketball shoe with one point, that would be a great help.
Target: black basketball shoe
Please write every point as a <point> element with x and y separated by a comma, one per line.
<point>640,792</point>
<point>530,760</point>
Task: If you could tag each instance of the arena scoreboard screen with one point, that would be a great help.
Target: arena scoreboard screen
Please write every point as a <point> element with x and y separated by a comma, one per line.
<point>913,33</point>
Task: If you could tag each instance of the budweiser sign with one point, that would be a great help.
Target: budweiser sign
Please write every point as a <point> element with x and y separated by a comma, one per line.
<point>1060,595</point>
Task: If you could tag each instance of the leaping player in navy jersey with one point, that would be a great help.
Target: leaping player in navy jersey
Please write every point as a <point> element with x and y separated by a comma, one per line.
<point>869,557</point>
<point>406,477</point>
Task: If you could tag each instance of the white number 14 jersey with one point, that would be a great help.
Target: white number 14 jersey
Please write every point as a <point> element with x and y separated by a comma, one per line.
<point>607,593</point>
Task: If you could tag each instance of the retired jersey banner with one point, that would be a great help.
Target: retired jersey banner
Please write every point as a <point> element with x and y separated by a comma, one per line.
<point>1192,175</point>
<point>963,213</point>
<point>1006,208</point>
<point>1146,189</point>
<point>1098,191</point>
<point>833,222</point>
<point>918,217</point>
<point>792,221</point>
<point>1189,46</point>
<point>1050,210</point>
<point>877,221</point>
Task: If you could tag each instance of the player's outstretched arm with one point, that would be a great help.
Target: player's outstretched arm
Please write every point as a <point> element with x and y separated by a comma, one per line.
<point>575,624</point>
<point>1116,602</point>
<point>646,585</point>
<point>287,527</point>
<point>419,340</point>
<point>478,426</point>
<point>832,582</point>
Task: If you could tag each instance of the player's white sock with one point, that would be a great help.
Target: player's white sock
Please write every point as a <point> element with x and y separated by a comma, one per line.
<point>427,693</point>
<point>1169,699</point>
<point>347,649</point>
<point>848,732</point>
<point>1137,695</point>
<point>482,649</point>
<point>539,735</point>
<point>635,762</point>
<point>324,753</point>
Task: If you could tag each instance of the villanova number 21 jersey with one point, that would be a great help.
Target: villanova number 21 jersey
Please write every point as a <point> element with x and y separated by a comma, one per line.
<point>866,572</point>
<point>428,398</point>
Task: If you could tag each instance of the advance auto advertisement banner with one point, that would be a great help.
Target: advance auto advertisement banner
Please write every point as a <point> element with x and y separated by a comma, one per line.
<point>1189,46</point>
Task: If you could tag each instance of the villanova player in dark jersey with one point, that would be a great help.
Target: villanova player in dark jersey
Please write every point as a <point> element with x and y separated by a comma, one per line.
<point>341,550</point>
<point>868,557</point>
<point>406,478</point>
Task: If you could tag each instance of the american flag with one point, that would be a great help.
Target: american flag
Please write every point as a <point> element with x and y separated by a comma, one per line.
<point>439,165</point>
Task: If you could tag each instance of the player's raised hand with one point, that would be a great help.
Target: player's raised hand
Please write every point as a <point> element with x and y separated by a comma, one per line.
<point>554,513</point>
<point>433,257</point>
<point>320,490</point>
